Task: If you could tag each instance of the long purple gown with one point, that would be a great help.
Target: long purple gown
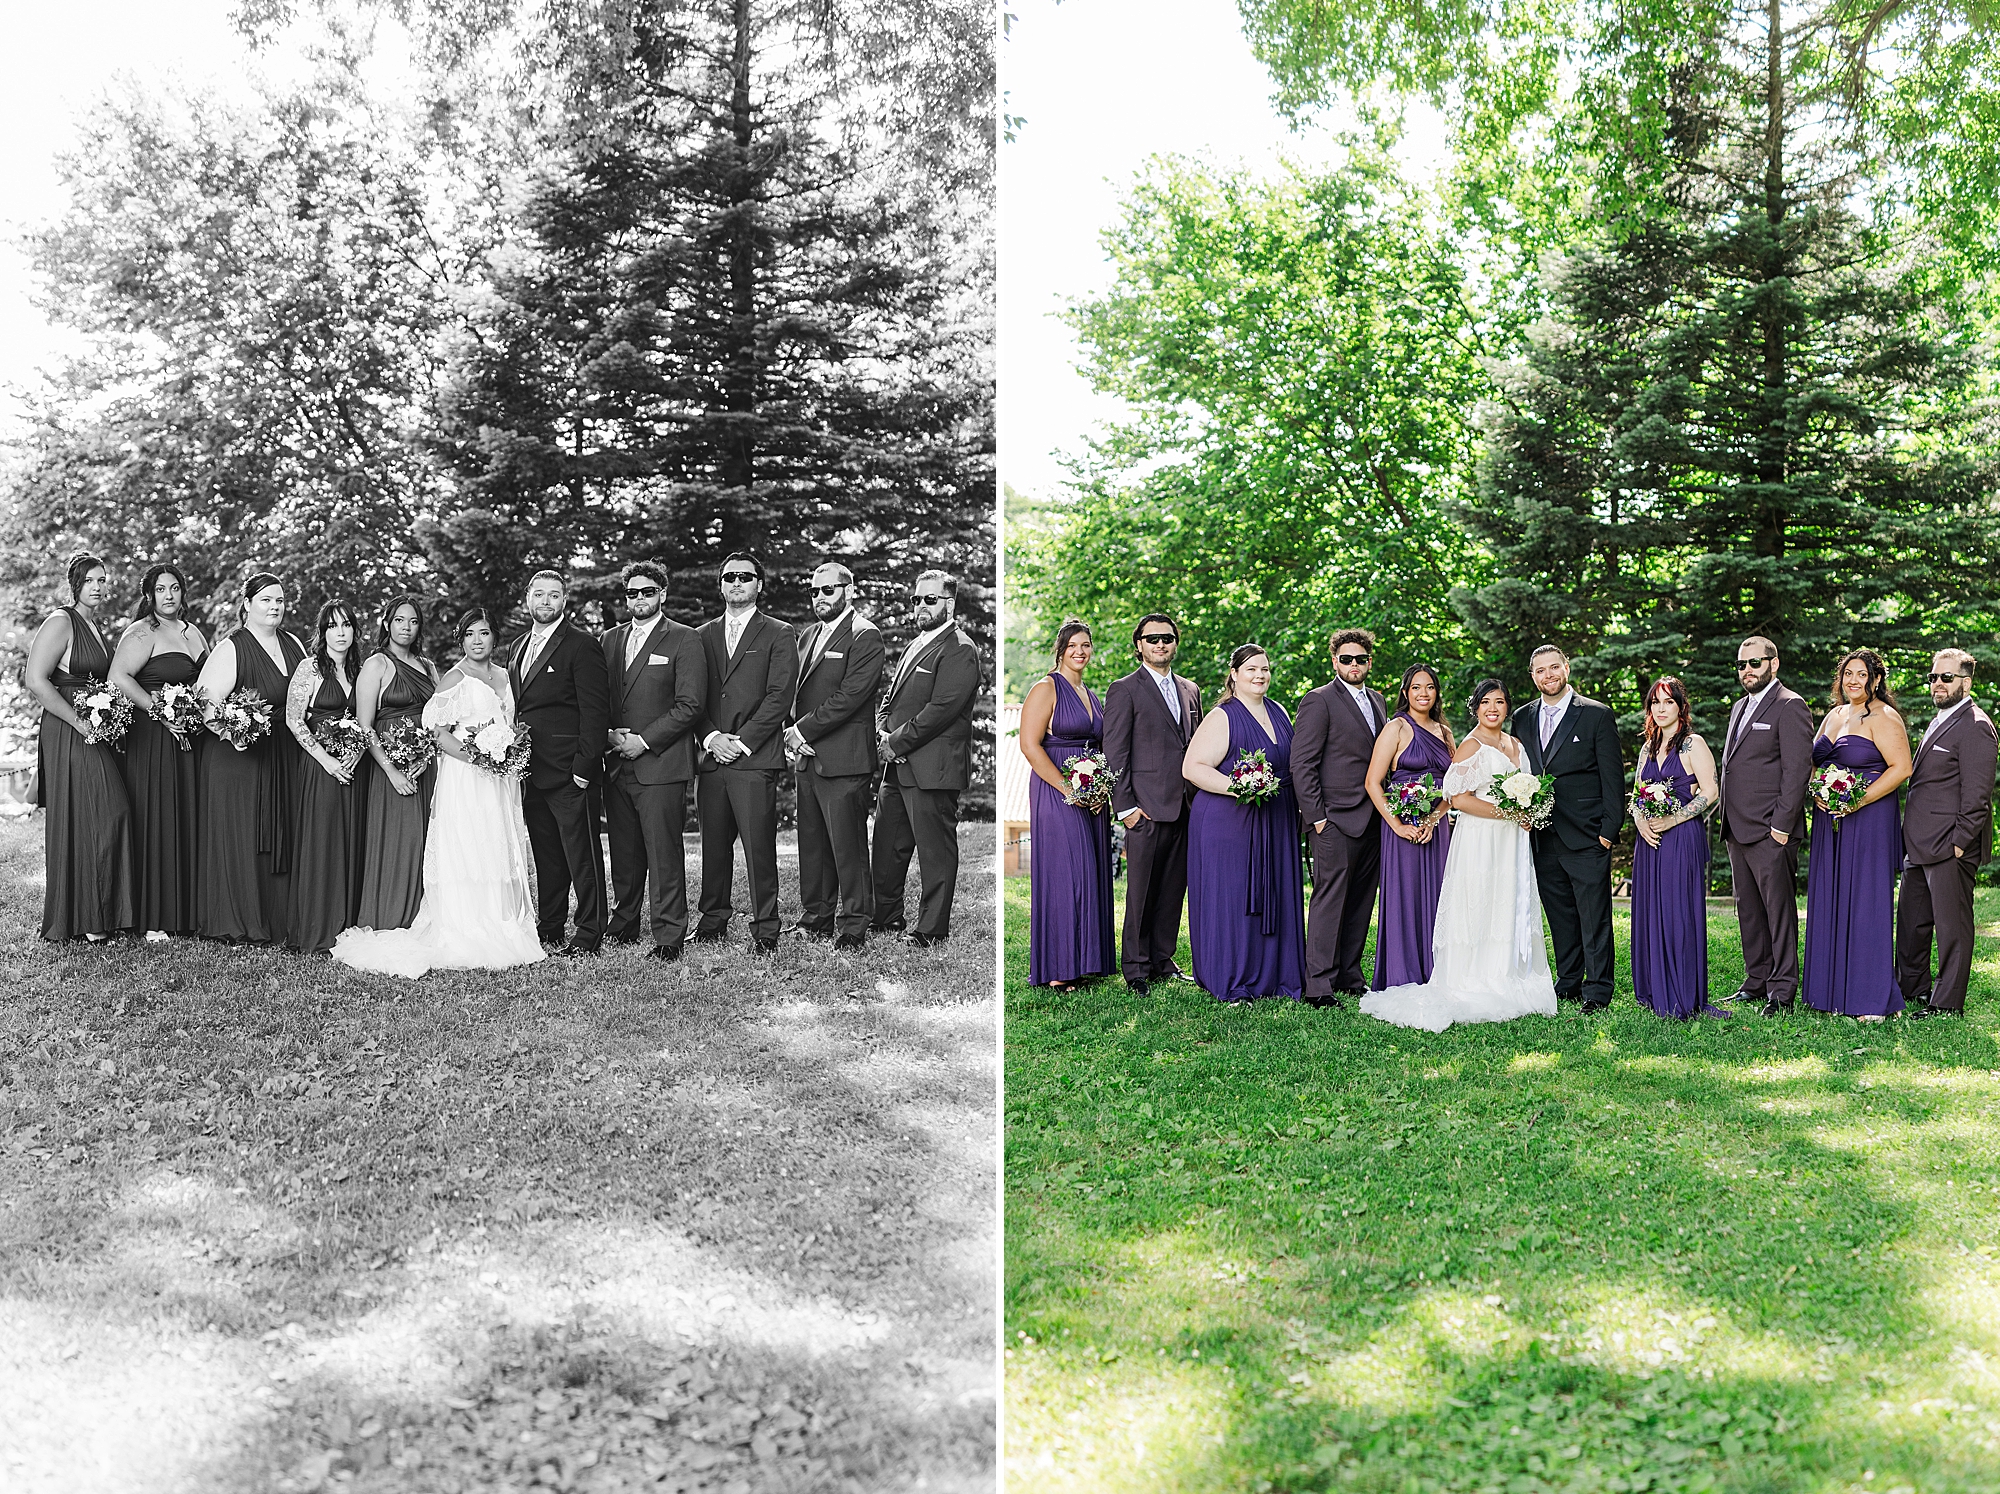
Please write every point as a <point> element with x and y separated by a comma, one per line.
<point>1411,874</point>
<point>1669,905</point>
<point>1069,858</point>
<point>1246,893</point>
<point>1850,959</point>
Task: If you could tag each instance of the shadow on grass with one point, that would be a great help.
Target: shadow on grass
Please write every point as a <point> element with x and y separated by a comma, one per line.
<point>367,1222</point>
<point>1283,1248</point>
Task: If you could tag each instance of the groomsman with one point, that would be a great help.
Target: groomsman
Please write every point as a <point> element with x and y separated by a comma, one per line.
<point>1576,739</point>
<point>924,733</point>
<point>562,692</point>
<point>1766,764</point>
<point>753,670</point>
<point>1947,832</point>
<point>1149,717</point>
<point>659,682</point>
<point>831,741</point>
<point>1331,746</point>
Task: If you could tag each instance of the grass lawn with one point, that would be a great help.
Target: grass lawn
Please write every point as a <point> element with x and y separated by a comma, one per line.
<point>1277,1248</point>
<point>268,1224</point>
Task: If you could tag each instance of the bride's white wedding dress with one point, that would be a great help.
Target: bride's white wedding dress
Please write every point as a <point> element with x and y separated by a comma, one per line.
<point>475,913</point>
<point>1488,960</point>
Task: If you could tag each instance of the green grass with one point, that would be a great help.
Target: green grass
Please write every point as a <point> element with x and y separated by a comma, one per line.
<point>1268,1247</point>
<point>269,1224</point>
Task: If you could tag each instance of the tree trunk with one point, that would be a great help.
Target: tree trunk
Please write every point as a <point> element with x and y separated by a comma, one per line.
<point>1768,538</point>
<point>740,374</point>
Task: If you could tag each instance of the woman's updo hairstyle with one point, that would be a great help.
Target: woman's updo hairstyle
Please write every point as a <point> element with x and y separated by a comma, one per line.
<point>1485,688</point>
<point>1070,628</point>
<point>1243,654</point>
<point>251,587</point>
<point>148,610</point>
<point>472,617</point>
<point>77,569</point>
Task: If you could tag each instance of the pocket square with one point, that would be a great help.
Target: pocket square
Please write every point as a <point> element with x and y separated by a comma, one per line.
<point>660,659</point>
<point>921,670</point>
<point>1760,726</point>
<point>830,654</point>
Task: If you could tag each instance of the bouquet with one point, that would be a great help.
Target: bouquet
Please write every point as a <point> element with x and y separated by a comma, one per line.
<point>178,709</point>
<point>494,747</point>
<point>1090,779</point>
<point>1416,800</point>
<point>1528,799</point>
<point>1840,789</point>
<point>243,718</point>
<point>1253,780</point>
<point>344,739</point>
<point>409,745</point>
<point>1653,799</point>
<point>106,715</point>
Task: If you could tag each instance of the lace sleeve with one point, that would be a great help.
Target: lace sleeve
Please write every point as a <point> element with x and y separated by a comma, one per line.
<point>1469,776</point>
<point>305,685</point>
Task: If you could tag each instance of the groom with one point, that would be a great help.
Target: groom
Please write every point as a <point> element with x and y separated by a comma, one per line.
<point>563,692</point>
<point>1577,740</point>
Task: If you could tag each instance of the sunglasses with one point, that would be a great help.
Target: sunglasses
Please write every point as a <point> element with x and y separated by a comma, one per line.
<point>827,591</point>
<point>1742,664</point>
<point>1946,679</point>
<point>1352,658</point>
<point>922,597</point>
<point>642,591</point>
<point>739,577</point>
<point>1159,638</point>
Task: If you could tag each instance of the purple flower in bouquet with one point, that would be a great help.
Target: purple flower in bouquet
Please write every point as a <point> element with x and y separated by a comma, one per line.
<point>409,745</point>
<point>1416,800</point>
<point>178,709</point>
<point>1653,799</point>
<point>1090,779</point>
<point>344,739</point>
<point>1839,789</point>
<point>1253,780</point>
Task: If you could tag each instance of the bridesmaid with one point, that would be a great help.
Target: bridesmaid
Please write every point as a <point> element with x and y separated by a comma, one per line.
<point>326,866</point>
<point>243,854</point>
<point>1069,862</point>
<point>1850,958</point>
<point>87,832</point>
<point>161,773</point>
<point>1670,863</point>
<point>1415,742</point>
<point>1246,897</point>
<point>394,685</point>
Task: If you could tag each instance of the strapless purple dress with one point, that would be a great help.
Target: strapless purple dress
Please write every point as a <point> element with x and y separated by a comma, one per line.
<point>1669,906</point>
<point>1246,891</point>
<point>1069,858</point>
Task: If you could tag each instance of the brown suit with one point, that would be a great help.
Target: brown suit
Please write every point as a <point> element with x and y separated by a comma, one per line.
<point>1145,745</point>
<point>1950,810</point>
<point>1331,747</point>
<point>1765,767</point>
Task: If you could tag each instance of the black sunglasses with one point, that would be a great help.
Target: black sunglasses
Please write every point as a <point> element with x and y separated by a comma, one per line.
<point>826,591</point>
<point>1352,658</point>
<point>739,576</point>
<point>1742,664</point>
<point>1946,679</point>
<point>1159,638</point>
<point>642,591</point>
<point>922,597</point>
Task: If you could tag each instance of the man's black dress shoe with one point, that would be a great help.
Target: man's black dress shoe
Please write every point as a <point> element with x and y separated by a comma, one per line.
<point>765,946</point>
<point>921,941</point>
<point>664,952</point>
<point>1323,1003</point>
<point>1918,1013</point>
<point>1591,1008</point>
<point>1772,1008</point>
<point>1745,996</point>
<point>805,931</point>
<point>625,938</point>
<point>1138,987</point>
<point>575,951</point>
<point>711,936</point>
<point>1172,972</point>
<point>850,941</point>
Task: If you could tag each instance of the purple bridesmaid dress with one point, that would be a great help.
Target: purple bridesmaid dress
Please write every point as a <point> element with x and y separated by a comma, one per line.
<point>1850,959</point>
<point>1246,894</point>
<point>1669,906</point>
<point>1069,858</point>
<point>1411,874</point>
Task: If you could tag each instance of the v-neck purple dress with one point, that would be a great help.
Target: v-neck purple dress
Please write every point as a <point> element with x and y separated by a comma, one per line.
<point>1411,874</point>
<point>1246,892</point>
<point>1069,858</point>
<point>1850,956</point>
<point>1670,906</point>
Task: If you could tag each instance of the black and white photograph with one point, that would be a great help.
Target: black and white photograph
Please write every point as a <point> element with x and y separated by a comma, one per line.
<point>498,644</point>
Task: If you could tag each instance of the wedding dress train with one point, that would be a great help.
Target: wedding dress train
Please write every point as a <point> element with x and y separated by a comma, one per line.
<point>1489,963</point>
<point>475,913</point>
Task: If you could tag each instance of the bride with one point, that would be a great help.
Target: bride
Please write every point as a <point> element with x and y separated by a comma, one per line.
<point>475,912</point>
<point>1489,962</point>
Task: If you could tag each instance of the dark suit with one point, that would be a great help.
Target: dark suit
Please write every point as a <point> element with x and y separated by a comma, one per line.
<point>1765,765</point>
<point>660,697</point>
<point>1572,865</point>
<point>926,716</point>
<point>840,671</point>
<point>1331,746</point>
<point>749,696</point>
<point>1950,806</point>
<point>1145,743</point>
<point>566,702</point>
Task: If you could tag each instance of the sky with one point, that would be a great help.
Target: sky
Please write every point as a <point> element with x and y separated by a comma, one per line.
<point>1103,85</point>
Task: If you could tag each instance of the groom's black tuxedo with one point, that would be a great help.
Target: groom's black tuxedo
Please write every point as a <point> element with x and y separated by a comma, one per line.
<point>1572,865</point>
<point>564,695</point>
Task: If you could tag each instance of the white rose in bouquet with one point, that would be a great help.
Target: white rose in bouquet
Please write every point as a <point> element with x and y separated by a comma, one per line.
<point>494,740</point>
<point>1521,787</point>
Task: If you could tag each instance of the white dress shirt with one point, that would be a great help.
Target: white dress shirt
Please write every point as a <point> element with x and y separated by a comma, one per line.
<point>1940,718</point>
<point>825,632</point>
<point>918,644</point>
<point>1360,694</point>
<point>1750,704</point>
<point>1552,713</point>
<point>538,640</point>
<point>732,628</point>
<point>1169,691</point>
<point>637,637</point>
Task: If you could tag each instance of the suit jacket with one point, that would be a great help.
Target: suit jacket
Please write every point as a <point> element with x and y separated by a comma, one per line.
<point>1588,767</point>
<point>1145,745</point>
<point>660,697</point>
<point>567,705</point>
<point>834,707</point>
<point>1951,791</point>
<point>750,695</point>
<point>1765,765</point>
<point>926,713</point>
<point>1331,745</point>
